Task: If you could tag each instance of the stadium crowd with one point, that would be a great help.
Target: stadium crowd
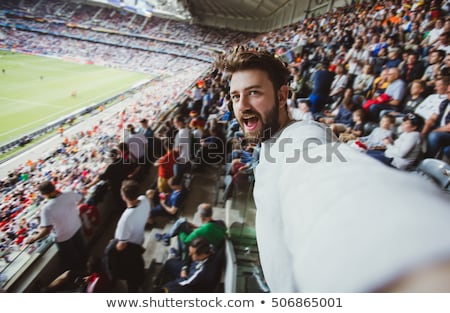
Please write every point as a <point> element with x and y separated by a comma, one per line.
<point>364,69</point>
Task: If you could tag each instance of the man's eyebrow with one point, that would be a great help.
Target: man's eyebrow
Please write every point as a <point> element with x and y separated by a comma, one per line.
<point>247,88</point>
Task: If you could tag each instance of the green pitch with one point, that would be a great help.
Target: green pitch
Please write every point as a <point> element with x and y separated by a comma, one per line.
<point>35,90</point>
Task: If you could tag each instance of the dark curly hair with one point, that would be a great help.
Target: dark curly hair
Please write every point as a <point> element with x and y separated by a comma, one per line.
<point>240,60</point>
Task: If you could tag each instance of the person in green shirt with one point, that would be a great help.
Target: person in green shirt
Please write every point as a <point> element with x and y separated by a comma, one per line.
<point>213,230</point>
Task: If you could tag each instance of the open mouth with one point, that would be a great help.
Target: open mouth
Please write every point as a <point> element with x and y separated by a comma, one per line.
<point>250,121</point>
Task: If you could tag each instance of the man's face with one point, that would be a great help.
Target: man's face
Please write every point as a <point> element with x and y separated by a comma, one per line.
<point>447,61</point>
<point>440,87</point>
<point>433,57</point>
<point>193,253</point>
<point>255,104</point>
<point>392,75</point>
<point>178,124</point>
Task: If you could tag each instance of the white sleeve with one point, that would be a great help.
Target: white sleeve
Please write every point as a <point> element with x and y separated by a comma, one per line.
<point>340,240</point>
<point>402,146</point>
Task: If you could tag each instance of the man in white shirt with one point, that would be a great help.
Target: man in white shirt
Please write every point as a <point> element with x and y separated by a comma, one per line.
<point>60,214</point>
<point>438,130</point>
<point>183,147</point>
<point>137,143</point>
<point>312,237</point>
<point>430,105</point>
<point>124,253</point>
<point>356,58</point>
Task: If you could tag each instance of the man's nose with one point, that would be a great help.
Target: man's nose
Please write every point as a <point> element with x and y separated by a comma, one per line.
<point>242,104</point>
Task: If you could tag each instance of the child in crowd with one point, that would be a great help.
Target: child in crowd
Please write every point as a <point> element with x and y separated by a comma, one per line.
<point>302,113</point>
<point>356,129</point>
<point>375,141</point>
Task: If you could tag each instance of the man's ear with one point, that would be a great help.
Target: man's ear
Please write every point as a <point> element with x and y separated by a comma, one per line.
<point>283,93</point>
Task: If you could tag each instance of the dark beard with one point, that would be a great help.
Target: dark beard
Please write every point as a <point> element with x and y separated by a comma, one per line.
<point>268,127</point>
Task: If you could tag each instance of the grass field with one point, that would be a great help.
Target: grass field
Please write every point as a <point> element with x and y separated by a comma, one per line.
<point>37,90</point>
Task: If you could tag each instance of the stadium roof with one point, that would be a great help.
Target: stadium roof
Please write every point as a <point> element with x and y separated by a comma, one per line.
<point>236,9</point>
<point>254,15</point>
<point>245,15</point>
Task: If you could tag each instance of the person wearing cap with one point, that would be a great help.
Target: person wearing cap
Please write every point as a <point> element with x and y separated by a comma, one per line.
<point>60,215</point>
<point>406,149</point>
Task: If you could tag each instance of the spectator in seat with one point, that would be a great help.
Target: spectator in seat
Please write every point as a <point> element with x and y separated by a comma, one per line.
<point>343,118</point>
<point>406,149</point>
<point>412,69</point>
<point>302,113</point>
<point>431,104</point>
<point>375,140</point>
<point>362,84</point>
<point>356,58</point>
<point>169,204</point>
<point>439,138</point>
<point>201,275</point>
<point>391,99</point>
<point>356,128</point>
<point>339,84</point>
<point>213,230</point>
<point>433,70</point>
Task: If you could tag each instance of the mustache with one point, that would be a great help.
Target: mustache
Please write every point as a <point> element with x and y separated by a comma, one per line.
<point>250,113</point>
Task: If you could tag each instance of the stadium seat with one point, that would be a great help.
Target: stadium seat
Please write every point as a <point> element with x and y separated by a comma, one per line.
<point>437,170</point>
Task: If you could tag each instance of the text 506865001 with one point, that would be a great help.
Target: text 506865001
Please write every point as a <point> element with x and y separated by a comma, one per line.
<point>306,302</point>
